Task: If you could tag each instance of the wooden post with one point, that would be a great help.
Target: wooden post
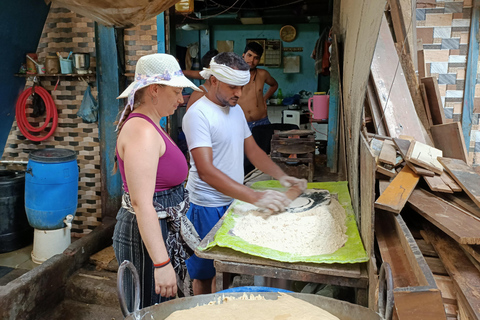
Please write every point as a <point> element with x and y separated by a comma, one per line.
<point>333,110</point>
<point>471,74</point>
<point>161,33</point>
<point>108,91</point>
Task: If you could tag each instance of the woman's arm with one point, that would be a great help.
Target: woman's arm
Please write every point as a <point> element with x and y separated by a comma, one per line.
<point>142,146</point>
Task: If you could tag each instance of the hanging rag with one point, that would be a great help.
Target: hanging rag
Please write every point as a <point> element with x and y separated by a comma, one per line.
<point>89,108</point>
<point>321,54</point>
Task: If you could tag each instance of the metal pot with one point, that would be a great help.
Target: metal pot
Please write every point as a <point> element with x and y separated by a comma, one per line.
<point>341,309</point>
<point>293,107</point>
<point>81,62</point>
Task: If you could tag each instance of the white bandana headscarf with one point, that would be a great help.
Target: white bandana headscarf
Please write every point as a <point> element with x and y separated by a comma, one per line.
<point>226,74</point>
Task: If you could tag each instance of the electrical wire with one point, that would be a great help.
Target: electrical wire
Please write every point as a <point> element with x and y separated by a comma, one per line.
<point>215,15</point>
<point>263,8</point>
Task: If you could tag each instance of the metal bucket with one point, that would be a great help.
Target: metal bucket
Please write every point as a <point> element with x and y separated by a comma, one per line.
<point>341,309</point>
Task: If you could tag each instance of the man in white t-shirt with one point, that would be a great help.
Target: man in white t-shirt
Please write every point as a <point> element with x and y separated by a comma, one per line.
<point>218,137</point>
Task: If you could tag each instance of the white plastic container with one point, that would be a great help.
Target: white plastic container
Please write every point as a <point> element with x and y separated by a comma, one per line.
<point>291,116</point>
<point>47,243</point>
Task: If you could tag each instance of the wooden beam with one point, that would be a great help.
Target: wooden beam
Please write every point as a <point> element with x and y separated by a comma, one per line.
<point>393,91</point>
<point>333,108</point>
<point>393,252</point>
<point>450,182</point>
<point>426,105</point>
<point>367,213</point>
<point>434,100</point>
<point>108,80</point>
<point>388,154</point>
<point>458,224</point>
<point>377,112</point>
<point>436,184</point>
<point>445,284</point>
<point>471,74</point>
<point>424,305</point>
<point>449,138</point>
<point>396,195</point>
<point>465,276</point>
<point>464,176</point>
<point>463,201</point>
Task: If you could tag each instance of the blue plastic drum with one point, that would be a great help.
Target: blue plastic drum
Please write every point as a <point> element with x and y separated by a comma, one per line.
<point>51,187</point>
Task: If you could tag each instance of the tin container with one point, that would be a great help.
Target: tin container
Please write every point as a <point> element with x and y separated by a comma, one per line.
<point>52,65</point>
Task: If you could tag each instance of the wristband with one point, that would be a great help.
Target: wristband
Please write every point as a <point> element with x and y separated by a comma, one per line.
<point>161,265</point>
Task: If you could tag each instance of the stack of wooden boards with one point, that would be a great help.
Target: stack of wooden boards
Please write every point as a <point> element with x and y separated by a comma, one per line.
<point>422,173</point>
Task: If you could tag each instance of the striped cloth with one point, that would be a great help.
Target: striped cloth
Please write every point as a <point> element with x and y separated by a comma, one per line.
<point>179,235</point>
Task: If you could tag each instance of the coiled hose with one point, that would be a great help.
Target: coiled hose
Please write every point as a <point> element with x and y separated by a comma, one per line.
<point>21,115</point>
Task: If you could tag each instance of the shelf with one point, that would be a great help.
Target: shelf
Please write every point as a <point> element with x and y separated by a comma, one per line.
<point>26,75</point>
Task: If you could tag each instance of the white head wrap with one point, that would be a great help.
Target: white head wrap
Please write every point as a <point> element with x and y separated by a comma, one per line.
<point>226,74</point>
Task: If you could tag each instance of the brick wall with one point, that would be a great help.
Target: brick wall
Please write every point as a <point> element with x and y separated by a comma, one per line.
<point>443,27</point>
<point>65,31</point>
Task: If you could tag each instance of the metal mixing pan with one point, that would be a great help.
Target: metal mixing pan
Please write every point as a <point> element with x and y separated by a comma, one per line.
<point>341,309</point>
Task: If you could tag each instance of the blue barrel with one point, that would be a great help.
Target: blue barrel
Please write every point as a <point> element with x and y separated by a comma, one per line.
<point>51,187</point>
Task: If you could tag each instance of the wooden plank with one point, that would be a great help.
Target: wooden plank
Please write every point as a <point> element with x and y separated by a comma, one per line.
<point>450,182</point>
<point>377,112</point>
<point>465,276</point>
<point>103,258</point>
<point>458,224</point>
<point>393,252</point>
<point>434,100</point>
<point>334,105</point>
<point>367,213</point>
<point>426,248</point>
<point>396,195</point>
<point>437,184</point>
<point>449,138</point>
<point>471,74</point>
<point>463,201</point>
<point>387,172</point>
<point>420,171</point>
<point>388,154</point>
<point>436,266</point>
<point>445,284</point>
<point>451,310</point>
<point>464,176</point>
<point>423,305</point>
<point>472,250</point>
<point>422,71</point>
<point>425,103</point>
<point>402,146</point>
<point>424,156</point>
<point>393,91</point>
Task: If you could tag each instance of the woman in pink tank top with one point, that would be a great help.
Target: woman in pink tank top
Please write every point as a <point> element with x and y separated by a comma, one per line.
<point>147,232</point>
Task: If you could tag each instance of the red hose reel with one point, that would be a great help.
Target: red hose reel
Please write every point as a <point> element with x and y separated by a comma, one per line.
<point>22,122</point>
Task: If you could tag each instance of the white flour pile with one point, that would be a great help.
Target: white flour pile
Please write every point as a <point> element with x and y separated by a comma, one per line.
<point>320,230</point>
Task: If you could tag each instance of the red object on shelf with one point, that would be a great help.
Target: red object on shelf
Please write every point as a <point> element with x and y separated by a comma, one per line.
<point>22,122</point>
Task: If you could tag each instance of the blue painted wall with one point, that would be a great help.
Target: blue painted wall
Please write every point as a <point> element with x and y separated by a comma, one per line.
<point>21,26</point>
<point>307,35</point>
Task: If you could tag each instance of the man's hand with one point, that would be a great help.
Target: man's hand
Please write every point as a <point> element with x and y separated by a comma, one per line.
<point>273,200</point>
<point>288,181</point>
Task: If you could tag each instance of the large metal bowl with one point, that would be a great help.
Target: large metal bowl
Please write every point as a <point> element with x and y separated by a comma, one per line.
<point>341,309</point>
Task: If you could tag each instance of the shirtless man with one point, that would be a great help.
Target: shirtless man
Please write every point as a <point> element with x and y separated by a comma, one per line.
<point>253,101</point>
